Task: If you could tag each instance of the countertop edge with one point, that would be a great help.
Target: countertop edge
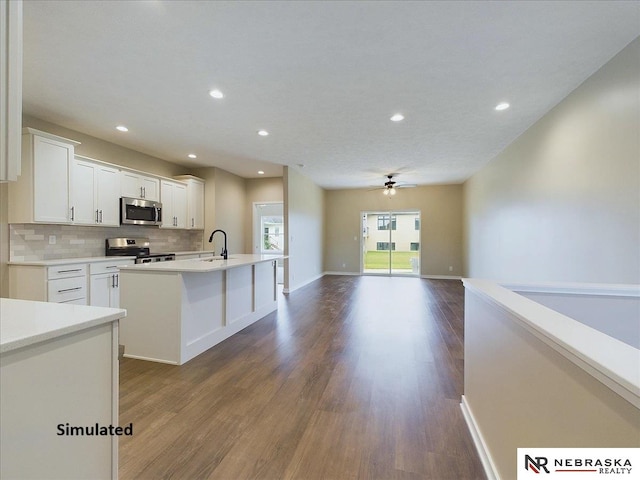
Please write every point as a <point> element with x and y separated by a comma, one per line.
<point>56,332</point>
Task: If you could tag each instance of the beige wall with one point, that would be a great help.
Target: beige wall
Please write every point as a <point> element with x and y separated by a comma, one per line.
<point>303,217</point>
<point>440,208</point>
<point>562,202</point>
<point>224,201</point>
<point>260,190</point>
<point>109,152</point>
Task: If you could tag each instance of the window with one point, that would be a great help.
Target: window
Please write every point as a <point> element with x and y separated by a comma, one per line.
<point>383,222</point>
<point>273,234</point>
<point>416,223</point>
<point>415,246</point>
<point>385,246</point>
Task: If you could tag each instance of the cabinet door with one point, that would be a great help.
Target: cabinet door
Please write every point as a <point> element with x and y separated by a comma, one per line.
<point>114,292</point>
<point>130,185</point>
<point>196,205</point>
<point>108,195</point>
<point>83,209</point>
<point>150,188</point>
<point>100,290</point>
<point>166,198</point>
<point>52,161</point>
<point>180,210</point>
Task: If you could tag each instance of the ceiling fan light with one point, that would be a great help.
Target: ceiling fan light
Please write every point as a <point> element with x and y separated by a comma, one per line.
<point>386,191</point>
<point>392,191</point>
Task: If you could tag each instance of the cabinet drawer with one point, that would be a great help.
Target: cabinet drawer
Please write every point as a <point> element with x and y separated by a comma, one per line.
<point>108,267</point>
<point>66,271</point>
<point>77,301</point>
<point>67,289</point>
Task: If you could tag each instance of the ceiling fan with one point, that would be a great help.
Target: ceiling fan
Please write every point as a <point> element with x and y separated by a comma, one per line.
<point>391,186</point>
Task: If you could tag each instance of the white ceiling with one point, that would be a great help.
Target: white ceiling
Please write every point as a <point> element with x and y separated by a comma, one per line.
<point>322,77</point>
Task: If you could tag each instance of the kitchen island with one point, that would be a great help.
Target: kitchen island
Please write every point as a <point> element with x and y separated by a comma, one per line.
<point>177,310</point>
<point>58,369</point>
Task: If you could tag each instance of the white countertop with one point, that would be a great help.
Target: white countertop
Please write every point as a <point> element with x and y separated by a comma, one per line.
<point>25,322</point>
<point>198,265</point>
<point>67,261</point>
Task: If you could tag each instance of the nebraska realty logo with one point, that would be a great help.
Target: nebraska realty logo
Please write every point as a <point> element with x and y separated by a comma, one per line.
<point>578,463</point>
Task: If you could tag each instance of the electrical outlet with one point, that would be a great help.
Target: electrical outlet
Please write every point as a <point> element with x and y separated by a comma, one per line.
<point>344,265</point>
<point>52,239</point>
<point>450,268</point>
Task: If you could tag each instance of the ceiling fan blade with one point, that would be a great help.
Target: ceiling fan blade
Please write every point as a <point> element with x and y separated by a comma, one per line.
<point>406,185</point>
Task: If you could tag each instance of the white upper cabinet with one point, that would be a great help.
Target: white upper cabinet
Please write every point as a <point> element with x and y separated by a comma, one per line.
<point>11,92</point>
<point>83,210</point>
<point>95,193</point>
<point>173,196</point>
<point>136,185</point>
<point>195,201</point>
<point>42,192</point>
<point>108,195</point>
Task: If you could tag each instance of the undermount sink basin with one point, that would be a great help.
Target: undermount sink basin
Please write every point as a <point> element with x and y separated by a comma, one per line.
<point>215,259</point>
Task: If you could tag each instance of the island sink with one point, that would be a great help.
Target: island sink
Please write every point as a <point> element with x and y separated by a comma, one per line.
<point>215,259</point>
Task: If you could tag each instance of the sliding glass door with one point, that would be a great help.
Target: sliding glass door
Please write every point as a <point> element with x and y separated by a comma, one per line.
<point>391,243</point>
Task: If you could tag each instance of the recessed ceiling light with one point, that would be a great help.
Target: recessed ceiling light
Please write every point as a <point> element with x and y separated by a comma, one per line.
<point>122,128</point>
<point>502,106</point>
<point>216,93</point>
<point>263,133</point>
<point>260,172</point>
<point>192,155</point>
<point>398,117</point>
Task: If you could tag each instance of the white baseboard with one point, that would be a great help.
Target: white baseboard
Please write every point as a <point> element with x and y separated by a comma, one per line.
<point>478,440</point>
<point>307,282</point>
<point>357,274</point>
<point>442,277</point>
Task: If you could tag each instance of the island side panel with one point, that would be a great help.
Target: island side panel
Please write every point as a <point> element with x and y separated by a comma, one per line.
<point>239,293</point>
<point>264,284</point>
<point>203,312</point>
<point>152,328</point>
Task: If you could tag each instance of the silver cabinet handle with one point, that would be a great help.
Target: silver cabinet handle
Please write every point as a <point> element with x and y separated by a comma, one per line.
<point>117,280</point>
<point>113,281</point>
<point>141,194</point>
<point>73,213</point>
<point>69,271</point>
<point>97,217</point>
<point>100,216</point>
<point>144,192</point>
<point>69,289</point>
<point>112,266</point>
<point>193,222</point>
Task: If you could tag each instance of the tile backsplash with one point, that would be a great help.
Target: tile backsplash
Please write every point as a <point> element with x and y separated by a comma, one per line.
<point>28,242</point>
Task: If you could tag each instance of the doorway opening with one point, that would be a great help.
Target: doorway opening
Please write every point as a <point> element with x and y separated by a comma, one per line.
<point>390,243</point>
<point>268,232</point>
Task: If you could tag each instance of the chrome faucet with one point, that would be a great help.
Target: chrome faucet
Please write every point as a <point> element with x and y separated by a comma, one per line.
<point>224,250</point>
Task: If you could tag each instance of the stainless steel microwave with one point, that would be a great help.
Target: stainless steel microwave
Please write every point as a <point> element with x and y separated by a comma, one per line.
<point>134,211</point>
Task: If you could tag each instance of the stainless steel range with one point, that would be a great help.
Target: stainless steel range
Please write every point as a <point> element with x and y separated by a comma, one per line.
<point>138,247</point>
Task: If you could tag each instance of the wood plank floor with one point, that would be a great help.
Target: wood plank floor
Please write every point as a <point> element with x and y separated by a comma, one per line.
<point>352,378</point>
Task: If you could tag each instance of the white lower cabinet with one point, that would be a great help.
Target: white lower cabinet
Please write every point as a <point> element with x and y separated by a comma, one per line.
<point>95,283</point>
<point>65,283</point>
<point>104,283</point>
